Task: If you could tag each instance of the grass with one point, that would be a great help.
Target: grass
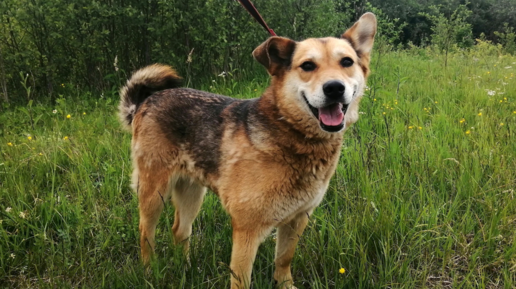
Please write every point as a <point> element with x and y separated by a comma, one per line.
<point>423,196</point>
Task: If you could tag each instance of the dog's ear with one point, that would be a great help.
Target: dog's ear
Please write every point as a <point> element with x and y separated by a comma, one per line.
<point>275,54</point>
<point>361,34</point>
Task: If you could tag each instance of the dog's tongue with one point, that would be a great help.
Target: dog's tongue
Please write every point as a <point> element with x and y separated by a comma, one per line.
<point>331,115</point>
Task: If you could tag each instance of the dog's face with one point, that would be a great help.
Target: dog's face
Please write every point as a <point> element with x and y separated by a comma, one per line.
<point>324,77</point>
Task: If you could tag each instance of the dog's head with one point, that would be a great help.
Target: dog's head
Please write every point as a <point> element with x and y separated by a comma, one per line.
<point>322,77</point>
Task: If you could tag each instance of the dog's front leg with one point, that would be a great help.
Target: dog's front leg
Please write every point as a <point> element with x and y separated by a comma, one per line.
<point>245,245</point>
<point>287,237</point>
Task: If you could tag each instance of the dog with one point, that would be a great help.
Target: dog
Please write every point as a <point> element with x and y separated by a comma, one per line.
<point>269,159</point>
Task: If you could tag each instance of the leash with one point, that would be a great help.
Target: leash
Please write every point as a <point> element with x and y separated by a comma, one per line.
<point>252,10</point>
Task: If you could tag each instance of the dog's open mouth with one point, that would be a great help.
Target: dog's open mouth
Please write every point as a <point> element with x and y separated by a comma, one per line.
<point>331,117</point>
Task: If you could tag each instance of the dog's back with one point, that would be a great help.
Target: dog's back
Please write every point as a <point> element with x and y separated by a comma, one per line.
<point>180,127</point>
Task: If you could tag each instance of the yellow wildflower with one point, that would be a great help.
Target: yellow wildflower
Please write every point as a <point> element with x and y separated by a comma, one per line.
<point>83,113</point>
<point>462,121</point>
<point>479,114</point>
<point>436,102</point>
<point>374,99</point>
<point>65,138</point>
<point>468,132</point>
<point>40,154</point>
<point>29,137</point>
<point>420,127</point>
<point>68,116</point>
<point>384,113</point>
<point>501,123</point>
<point>11,144</point>
<point>342,271</point>
<point>410,127</point>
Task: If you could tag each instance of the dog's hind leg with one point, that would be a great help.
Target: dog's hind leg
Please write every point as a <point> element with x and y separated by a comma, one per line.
<point>288,235</point>
<point>187,197</point>
<point>152,187</point>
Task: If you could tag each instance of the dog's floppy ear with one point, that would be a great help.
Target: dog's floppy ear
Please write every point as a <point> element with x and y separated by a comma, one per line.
<point>361,34</point>
<point>275,54</point>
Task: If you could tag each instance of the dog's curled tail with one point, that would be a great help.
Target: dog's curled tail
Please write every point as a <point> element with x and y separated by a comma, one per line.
<point>141,85</point>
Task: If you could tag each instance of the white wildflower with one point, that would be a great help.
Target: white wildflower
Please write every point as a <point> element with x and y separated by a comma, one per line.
<point>12,255</point>
<point>508,67</point>
<point>490,92</point>
<point>189,58</point>
<point>54,111</point>
<point>8,209</point>
<point>23,215</point>
<point>222,74</point>
<point>115,64</point>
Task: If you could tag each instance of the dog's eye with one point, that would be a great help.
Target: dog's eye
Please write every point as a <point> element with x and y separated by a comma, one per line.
<point>346,62</point>
<point>308,66</point>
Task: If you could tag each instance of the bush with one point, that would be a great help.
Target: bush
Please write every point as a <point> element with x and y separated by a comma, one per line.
<point>507,38</point>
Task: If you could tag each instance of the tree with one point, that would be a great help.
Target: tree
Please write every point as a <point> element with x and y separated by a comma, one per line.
<point>450,30</point>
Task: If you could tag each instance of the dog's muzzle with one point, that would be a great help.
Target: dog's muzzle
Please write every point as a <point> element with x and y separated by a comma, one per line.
<point>330,116</point>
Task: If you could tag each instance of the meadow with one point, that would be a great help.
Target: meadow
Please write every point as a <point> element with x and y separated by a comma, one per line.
<point>423,197</point>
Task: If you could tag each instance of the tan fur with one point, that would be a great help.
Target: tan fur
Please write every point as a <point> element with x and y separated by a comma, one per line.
<point>269,160</point>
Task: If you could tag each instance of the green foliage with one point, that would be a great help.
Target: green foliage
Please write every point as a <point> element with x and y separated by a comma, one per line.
<point>388,32</point>
<point>96,44</point>
<point>507,38</point>
<point>450,31</point>
<point>484,48</point>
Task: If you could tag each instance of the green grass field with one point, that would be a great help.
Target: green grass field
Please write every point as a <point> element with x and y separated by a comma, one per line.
<point>423,197</point>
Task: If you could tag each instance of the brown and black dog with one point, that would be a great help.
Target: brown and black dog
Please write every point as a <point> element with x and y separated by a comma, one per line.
<point>268,159</point>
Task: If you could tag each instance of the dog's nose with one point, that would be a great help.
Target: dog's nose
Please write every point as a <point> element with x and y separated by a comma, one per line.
<point>333,89</point>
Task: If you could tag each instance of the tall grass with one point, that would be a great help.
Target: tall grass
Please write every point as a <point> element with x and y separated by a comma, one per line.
<point>423,196</point>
